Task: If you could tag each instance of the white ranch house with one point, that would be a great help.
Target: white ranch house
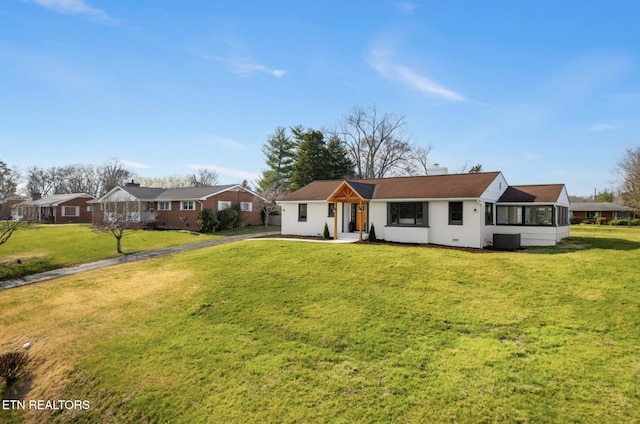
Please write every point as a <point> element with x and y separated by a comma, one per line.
<point>464,210</point>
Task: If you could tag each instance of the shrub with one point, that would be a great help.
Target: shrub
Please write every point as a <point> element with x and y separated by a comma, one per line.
<point>372,233</point>
<point>207,221</point>
<point>325,232</point>
<point>632,222</point>
<point>11,365</point>
<point>601,221</point>
<point>229,218</point>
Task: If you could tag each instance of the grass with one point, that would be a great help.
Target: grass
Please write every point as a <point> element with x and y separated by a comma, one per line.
<point>39,248</point>
<point>285,331</point>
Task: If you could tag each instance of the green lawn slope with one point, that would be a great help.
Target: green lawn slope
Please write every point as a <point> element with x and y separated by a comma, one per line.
<point>287,331</point>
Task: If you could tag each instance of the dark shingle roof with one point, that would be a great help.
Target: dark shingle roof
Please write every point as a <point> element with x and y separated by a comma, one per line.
<point>143,193</point>
<point>187,193</point>
<point>169,194</point>
<point>532,193</point>
<point>455,186</point>
<point>56,199</point>
<point>599,207</point>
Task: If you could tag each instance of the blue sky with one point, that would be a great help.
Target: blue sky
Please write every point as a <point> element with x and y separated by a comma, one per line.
<point>546,92</point>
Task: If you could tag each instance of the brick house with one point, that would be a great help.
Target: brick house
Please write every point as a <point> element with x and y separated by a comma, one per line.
<point>72,208</point>
<point>178,208</point>
<point>590,212</point>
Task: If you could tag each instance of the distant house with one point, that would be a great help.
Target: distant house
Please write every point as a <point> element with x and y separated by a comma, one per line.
<point>178,208</point>
<point>56,209</point>
<point>463,210</point>
<point>590,212</point>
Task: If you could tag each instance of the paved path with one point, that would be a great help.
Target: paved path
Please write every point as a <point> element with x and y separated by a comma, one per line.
<point>49,275</point>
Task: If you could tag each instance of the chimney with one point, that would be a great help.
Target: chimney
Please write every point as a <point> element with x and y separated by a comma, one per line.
<point>132,184</point>
<point>36,196</point>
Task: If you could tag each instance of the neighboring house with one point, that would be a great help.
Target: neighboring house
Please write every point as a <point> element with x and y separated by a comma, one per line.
<point>56,209</point>
<point>7,206</point>
<point>589,212</point>
<point>463,210</point>
<point>178,208</point>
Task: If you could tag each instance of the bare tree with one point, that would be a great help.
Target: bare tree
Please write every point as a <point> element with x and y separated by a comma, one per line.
<point>420,160</point>
<point>375,143</point>
<point>81,178</point>
<point>203,177</point>
<point>119,218</point>
<point>112,174</point>
<point>7,228</point>
<point>271,193</point>
<point>40,181</point>
<point>629,171</point>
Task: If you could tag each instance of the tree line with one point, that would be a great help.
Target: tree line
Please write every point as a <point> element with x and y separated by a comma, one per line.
<point>95,180</point>
<point>364,144</point>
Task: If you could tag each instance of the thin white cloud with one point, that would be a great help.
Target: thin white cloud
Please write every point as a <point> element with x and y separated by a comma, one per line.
<point>407,8</point>
<point>602,127</point>
<point>237,173</point>
<point>136,165</point>
<point>381,62</point>
<point>76,7</point>
<point>246,67</point>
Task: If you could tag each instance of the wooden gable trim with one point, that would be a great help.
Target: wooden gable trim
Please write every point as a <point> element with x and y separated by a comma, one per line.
<point>346,194</point>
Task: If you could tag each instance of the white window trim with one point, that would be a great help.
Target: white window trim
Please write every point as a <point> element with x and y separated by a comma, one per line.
<point>183,203</point>
<point>164,203</point>
<point>224,204</point>
<point>76,211</point>
<point>246,206</point>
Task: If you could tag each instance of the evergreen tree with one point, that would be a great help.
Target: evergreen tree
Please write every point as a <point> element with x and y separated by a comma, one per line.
<point>280,152</point>
<point>339,165</point>
<point>311,160</point>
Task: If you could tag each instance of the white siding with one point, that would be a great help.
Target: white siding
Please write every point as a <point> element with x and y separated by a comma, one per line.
<point>534,236</point>
<point>466,235</point>
<point>313,226</point>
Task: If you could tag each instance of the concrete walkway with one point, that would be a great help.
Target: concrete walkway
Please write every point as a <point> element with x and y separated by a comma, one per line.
<point>50,275</point>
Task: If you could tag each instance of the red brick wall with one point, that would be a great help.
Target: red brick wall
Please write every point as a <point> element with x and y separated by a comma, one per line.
<point>83,217</point>
<point>170,220</point>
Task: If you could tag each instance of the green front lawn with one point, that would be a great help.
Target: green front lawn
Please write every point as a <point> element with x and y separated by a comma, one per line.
<point>287,331</point>
<point>38,248</point>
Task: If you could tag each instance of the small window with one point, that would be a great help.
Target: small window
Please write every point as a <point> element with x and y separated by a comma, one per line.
<point>187,205</point>
<point>164,206</point>
<point>488,213</point>
<point>332,210</point>
<point>302,212</point>
<point>246,206</point>
<point>455,213</point>
<point>89,208</point>
<point>70,211</point>
<point>224,204</point>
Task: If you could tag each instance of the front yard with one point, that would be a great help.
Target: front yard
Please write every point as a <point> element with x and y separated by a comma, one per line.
<point>285,331</point>
<point>38,248</point>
